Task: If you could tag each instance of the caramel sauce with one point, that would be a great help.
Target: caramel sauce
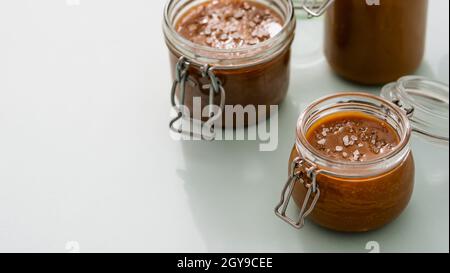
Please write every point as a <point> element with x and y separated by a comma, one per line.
<point>353,136</point>
<point>228,24</point>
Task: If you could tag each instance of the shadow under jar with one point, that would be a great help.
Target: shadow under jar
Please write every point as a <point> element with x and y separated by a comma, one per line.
<point>228,52</point>
<point>352,168</point>
<point>374,42</point>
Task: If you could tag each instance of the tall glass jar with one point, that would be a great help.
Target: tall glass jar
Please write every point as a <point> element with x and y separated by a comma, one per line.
<point>374,41</point>
<point>361,196</point>
<point>251,75</point>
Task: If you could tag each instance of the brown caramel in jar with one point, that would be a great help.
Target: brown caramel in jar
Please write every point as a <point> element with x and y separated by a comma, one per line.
<point>353,137</point>
<point>371,44</point>
<point>363,203</point>
<point>234,24</point>
<point>228,24</point>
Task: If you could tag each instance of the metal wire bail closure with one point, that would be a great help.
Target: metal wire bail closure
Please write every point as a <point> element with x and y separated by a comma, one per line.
<point>215,88</point>
<point>314,8</point>
<point>299,170</point>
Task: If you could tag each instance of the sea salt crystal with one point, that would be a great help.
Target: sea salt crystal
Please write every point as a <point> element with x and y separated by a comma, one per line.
<point>223,37</point>
<point>339,148</point>
<point>236,36</point>
<point>238,14</point>
<point>380,144</point>
<point>346,140</point>
<point>208,32</point>
<point>193,27</point>
<point>322,141</point>
<point>232,28</point>
<point>257,19</point>
<point>253,41</point>
<point>204,21</point>
<point>387,147</point>
<point>260,33</point>
<point>373,138</point>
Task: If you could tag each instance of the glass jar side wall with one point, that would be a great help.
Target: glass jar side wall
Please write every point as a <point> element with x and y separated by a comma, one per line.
<point>363,204</point>
<point>264,84</point>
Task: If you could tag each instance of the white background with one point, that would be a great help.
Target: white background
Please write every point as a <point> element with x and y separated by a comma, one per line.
<point>86,156</point>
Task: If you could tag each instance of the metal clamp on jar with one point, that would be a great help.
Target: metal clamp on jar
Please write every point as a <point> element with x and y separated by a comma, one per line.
<point>215,88</point>
<point>363,195</point>
<point>313,8</point>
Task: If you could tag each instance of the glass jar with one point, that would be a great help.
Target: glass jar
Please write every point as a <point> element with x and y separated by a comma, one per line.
<point>250,75</point>
<point>374,42</point>
<point>362,196</point>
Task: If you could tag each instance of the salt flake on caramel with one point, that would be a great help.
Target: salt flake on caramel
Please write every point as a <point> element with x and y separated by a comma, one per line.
<point>213,23</point>
<point>344,137</point>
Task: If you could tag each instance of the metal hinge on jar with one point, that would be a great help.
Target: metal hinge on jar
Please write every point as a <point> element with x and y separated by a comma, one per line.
<point>305,173</point>
<point>409,110</point>
<point>215,88</point>
<point>314,8</point>
<point>425,103</point>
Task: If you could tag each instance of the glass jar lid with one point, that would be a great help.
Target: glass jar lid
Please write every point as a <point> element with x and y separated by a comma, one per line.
<point>426,102</point>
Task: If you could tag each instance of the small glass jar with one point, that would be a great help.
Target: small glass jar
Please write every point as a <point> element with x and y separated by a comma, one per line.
<point>374,42</point>
<point>362,196</point>
<point>251,75</point>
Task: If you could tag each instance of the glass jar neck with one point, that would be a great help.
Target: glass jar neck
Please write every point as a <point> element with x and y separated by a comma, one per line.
<point>354,102</point>
<point>226,58</point>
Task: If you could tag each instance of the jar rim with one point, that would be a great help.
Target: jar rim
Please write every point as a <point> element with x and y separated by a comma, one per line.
<point>240,52</point>
<point>320,159</point>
